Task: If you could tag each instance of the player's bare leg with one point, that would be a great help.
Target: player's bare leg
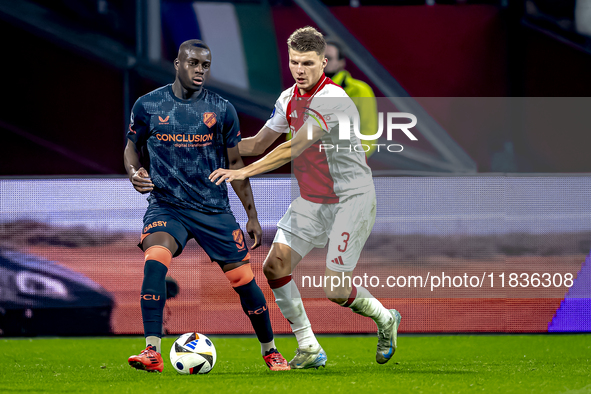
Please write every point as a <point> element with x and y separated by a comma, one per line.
<point>278,267</point>
<point>339,289</point>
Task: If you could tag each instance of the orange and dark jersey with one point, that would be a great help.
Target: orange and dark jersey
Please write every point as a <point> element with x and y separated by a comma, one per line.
<point>186,140</point>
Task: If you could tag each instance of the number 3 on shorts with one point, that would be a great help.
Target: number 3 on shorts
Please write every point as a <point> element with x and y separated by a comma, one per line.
<point>346,242</point>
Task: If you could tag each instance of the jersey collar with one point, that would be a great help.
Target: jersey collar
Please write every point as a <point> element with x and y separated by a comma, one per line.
<point>315,89</point>
<point>191,100</point>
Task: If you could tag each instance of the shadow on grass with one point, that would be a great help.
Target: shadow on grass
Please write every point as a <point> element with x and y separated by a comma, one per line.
<point>351,371</point>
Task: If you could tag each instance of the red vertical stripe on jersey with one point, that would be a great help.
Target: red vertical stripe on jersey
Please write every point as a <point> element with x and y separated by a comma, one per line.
<point>311,167</point>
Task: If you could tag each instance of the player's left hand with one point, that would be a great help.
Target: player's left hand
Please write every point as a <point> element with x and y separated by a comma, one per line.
<point>226,175</point>
<point>253,228</point>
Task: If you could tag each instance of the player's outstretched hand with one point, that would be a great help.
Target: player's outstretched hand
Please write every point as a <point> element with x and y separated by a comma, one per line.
<point>253,228</point>
<point>141,181</point>
<point>222,174</point>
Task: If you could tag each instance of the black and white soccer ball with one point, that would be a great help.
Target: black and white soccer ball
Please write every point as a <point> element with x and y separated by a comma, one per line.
<point>192,353</point>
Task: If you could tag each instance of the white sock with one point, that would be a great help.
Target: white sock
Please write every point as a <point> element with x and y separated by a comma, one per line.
<point>154,341</point>
<point>265,347</point>
<point>290,303</point>
<point>366,305</point>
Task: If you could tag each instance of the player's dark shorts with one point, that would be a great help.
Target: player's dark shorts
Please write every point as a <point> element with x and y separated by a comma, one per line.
<point>218,234</point>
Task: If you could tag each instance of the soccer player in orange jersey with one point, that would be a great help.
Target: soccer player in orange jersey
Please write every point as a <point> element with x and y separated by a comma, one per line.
<point>188,132</point>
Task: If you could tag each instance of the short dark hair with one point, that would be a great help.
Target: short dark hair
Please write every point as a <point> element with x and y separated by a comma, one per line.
<point>338,46</point>
<point>307,39</point>
<point>194,44</point>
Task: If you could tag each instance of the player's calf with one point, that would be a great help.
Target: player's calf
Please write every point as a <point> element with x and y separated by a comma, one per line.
<point>153,293</point>
<point>337,286</point>
<point>252,300</point>
<point>254,306</point>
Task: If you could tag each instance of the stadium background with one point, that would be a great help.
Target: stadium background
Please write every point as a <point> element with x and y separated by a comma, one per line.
<point>517,202</point>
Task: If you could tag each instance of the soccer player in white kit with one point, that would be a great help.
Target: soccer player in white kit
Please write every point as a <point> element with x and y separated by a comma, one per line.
<point>337,203</point>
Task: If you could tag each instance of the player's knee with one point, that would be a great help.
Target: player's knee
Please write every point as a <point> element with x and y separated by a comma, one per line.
<point>158,253</point>
<point>240,276</point>
<point>160,238</point>
<point>276,266</point>
<point>269,269</point>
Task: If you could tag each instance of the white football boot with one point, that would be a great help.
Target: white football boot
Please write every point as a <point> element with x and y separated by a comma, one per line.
<point>309,358</point>
<point>387,338</point>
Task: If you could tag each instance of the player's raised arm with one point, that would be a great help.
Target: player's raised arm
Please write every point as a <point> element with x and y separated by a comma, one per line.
<point>279,156</point>
<point>244,193</point>
<point>257,145</point>
<point>138,175</point>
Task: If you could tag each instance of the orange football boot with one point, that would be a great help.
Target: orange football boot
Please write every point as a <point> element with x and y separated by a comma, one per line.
<point>275,361</point>
<point>148,360</point>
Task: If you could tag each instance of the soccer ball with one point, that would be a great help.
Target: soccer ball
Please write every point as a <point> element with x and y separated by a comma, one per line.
<point>192,353</point>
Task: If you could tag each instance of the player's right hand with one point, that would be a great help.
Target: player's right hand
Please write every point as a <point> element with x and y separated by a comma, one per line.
<point>141,181</point>
<point>253,228</point>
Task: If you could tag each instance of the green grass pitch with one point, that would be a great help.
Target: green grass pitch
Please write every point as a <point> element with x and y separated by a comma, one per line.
<point>422,364</point>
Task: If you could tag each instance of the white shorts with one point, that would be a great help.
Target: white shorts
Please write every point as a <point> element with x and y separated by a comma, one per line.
<point>347,225</point>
